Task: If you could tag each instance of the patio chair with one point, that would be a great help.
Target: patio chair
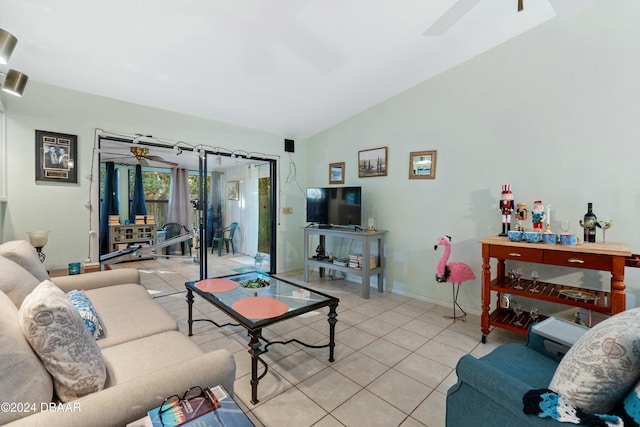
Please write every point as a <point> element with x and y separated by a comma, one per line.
<point>225,236</point>
<point>174,229</point>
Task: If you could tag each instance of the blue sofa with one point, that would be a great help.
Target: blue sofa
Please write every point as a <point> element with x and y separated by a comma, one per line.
<point>489,390</point>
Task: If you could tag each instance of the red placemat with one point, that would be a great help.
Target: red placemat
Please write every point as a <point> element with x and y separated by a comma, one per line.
<point>216,285</point>
<point>260,307</point>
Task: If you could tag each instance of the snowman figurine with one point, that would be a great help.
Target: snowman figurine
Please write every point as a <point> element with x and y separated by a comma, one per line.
<point>538,216</point>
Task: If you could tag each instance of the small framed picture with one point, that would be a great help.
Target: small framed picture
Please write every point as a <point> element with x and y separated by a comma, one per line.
<point>372,162</point>
<point>336,173</point>
<point>233,190</point>
<point>55,157</point>
<point>422,164</point>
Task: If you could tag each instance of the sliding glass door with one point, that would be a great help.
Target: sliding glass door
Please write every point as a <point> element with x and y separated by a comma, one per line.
<point>222,190</point>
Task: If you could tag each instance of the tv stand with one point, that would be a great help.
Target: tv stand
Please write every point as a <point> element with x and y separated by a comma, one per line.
<point>367,238</point>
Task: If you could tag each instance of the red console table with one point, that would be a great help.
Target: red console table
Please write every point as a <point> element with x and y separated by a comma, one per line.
<point>609,257</point>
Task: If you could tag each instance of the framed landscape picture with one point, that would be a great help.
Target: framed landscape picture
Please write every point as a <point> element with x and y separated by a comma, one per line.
<point>55,157</point>
<point>372,162</point>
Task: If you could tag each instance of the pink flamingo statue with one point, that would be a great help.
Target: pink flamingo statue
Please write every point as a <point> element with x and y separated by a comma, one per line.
<point>453,272</point>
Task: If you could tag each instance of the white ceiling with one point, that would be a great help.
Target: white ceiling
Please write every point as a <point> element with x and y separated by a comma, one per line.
<point>291,67</point>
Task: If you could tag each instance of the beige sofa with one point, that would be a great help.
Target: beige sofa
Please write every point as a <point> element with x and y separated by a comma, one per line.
<point>146,359</point>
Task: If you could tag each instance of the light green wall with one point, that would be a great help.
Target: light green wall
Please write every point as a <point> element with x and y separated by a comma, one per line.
<point>554,112</point>
<point>62,208</point>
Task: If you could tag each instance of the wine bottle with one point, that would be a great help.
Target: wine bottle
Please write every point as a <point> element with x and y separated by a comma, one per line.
<point>589,224</point>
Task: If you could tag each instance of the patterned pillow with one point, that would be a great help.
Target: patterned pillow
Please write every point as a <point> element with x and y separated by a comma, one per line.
<point>83,304</point>
<point>58,335</point>
<point>602,366</point>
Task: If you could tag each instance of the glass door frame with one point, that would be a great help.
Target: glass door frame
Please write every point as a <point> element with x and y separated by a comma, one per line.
<point>204,192</point>
<point>204,204</point>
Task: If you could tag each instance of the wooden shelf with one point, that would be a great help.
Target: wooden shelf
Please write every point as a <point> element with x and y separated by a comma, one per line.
<point>608,257</point>
<point>551,292</point>
<point>329,265</point>
<point>122,236</point>
<point>506,319</point>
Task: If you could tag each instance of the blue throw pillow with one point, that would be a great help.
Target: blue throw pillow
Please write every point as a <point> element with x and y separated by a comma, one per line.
<point>546,403</point>
<point>629,409</point>
<point>88,313</point>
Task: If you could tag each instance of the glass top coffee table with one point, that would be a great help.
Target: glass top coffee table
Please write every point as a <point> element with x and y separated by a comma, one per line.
<point>256,300</point>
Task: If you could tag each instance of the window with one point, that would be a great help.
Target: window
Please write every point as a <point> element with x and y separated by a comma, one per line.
<point>157,186</point>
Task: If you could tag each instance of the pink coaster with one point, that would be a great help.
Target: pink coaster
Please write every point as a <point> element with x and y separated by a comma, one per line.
<point>260,307</point>
<point>216,285</point>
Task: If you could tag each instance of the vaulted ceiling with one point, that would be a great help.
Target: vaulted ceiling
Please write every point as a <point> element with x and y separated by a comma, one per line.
<point>290,67</point>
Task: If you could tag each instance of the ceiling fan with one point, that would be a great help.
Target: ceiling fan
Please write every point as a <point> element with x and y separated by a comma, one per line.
<point>142,155</point>
<point>563,8</point>
<point>454,14</point>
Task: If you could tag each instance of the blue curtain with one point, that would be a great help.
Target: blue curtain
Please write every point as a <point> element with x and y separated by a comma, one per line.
<point>109,205</point>
<point>214,209</point>
<point>138,204</point>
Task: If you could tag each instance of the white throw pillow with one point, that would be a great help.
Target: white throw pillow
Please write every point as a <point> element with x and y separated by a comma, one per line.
<point>23,379</point>
<point>22,253</point>
<point>15,281</point>
<point>59,336</point>
<point>602,366</point>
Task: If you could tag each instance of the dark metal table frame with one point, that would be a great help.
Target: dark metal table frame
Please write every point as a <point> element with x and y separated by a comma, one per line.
<point>254,327</point>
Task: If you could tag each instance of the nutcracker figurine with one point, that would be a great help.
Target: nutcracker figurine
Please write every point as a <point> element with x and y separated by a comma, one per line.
<point>506,207</point>
<point>538,216</point>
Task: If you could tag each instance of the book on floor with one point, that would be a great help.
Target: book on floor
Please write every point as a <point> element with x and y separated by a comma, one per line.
<point>179,412</point>
<point>224,412</point>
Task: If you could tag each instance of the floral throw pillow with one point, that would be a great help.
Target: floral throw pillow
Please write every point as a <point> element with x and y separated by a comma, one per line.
<point>56,332</point>
<point>603,365</point>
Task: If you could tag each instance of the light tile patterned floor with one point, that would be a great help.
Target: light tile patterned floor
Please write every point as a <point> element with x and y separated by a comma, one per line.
<point>395,356</point>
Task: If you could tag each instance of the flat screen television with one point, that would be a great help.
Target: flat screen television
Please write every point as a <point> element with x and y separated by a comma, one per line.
<point>337,206</point>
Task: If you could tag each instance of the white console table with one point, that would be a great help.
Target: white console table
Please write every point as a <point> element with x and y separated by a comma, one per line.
<point>367,238</point>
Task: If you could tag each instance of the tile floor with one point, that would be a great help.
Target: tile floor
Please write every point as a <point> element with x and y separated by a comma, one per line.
<point>395,356</point>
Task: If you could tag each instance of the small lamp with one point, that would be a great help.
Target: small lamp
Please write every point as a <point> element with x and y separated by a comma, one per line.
<point>7,43</point>
<point>371,220</point>
<point>14,82</point>
<point>38,240</point>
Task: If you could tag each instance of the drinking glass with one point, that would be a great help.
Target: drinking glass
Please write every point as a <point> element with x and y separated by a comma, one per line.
<point>605,225</point>
<point>535,276</point>
<point>518,273</point>
<point>517,309</point>
<point>534,313</point>
<point>565,225</point>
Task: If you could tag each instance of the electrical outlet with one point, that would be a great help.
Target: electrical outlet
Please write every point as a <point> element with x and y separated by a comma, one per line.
<point>287,211</point>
